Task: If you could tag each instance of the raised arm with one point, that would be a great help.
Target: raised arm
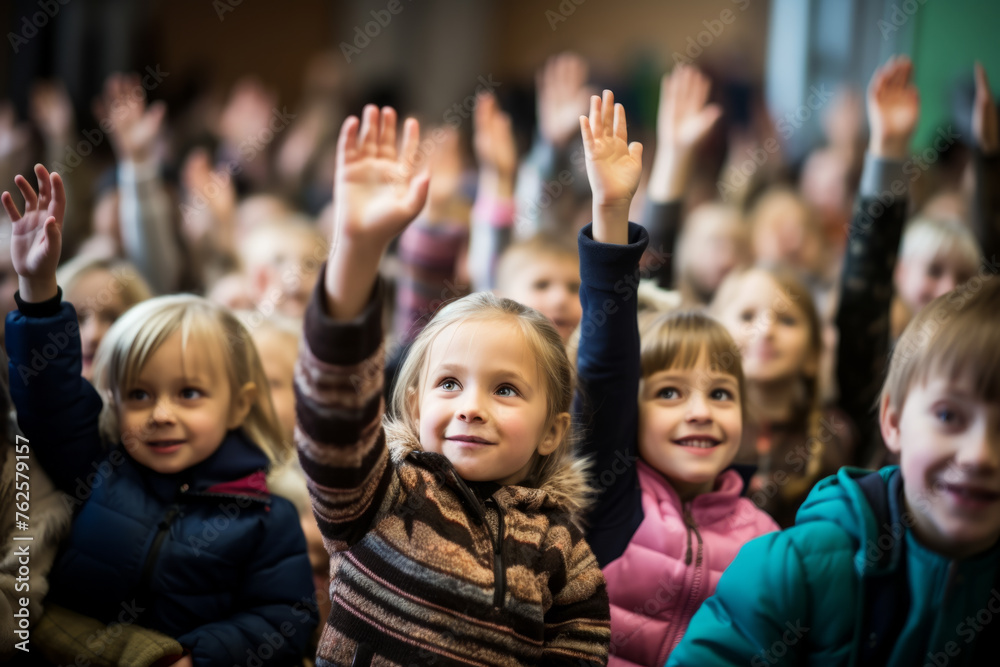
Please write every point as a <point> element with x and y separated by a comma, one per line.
<point>986,126</point>
<point>148,238</point>
<point>608,358</point>
<point>339,377</point>
<point>866,282</point>
<point>683,120</point>
<point>43,340</point>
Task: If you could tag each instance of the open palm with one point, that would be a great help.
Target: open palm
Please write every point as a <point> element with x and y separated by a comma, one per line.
<point>36,236</point>
<point>377,189</point>
<point>893,102</point>
<point>684,118</point>
<point>613,165</point>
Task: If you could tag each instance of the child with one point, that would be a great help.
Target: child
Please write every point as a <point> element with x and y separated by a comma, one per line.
<point>452,530</point>
<point>665,528</point>
<point>100,290</point>
<point>176,519</point>
<point>816,593</point>
<point>792,440</point>
<point>712,245</point>
<point>281,261</point>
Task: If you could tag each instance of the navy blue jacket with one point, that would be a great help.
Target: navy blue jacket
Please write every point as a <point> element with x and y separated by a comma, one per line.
<point>206,555</point>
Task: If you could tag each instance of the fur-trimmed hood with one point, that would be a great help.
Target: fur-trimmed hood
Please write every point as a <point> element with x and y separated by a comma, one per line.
<point>566,488</point>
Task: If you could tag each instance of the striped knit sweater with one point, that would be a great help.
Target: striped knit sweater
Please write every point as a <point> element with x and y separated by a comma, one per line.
<point>419,575</point>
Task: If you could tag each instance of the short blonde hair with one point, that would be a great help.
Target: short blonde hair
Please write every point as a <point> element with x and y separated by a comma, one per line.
<point>265,244</point>
<point>933,237</point>
<point>545,344</point>
<point>134,288</point>
<point>538,246</point>
<point>136,336</point>
<point>956,334</point>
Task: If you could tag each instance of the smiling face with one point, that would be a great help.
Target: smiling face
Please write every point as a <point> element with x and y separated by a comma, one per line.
<point>690,424</point>
<point>179,408</point>
<point>482,402</point>
<point>551,285</point>
<point>772,332</point>
<point>948,440</point>
<point>922,277</point>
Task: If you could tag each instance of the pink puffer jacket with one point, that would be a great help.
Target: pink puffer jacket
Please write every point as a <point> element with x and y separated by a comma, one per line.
<point>674,562</point>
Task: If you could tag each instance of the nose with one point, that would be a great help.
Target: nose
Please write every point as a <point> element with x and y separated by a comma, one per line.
<point>162,413</point>
<point>697,409</point>
<point>471,408</point>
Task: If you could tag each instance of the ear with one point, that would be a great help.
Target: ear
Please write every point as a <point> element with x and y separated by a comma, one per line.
<point>413,405</point>
<point>242,402</point>
<point>888,421</point>
<point>558,426</point>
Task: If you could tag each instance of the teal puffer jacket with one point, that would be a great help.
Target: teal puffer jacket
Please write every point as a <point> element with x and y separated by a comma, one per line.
<point>797,597</point>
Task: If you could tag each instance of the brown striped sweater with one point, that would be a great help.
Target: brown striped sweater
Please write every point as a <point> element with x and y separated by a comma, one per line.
<point>426,568</point>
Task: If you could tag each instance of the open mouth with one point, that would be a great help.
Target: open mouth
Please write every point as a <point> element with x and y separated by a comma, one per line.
<point>165,446</point>
<point>970,496</point>
<point>699,442</point>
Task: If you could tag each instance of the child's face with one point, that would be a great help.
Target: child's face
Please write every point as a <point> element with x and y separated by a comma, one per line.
<point>97,297</point>
<point>690,425</point>
<point>948,440</point>
<point>179,409</point>
<point>550,285</point>
<point>277,354</point>
<point>771,332</point>
<point>921,278</point>
<point>482,402</point>
<point>720,248</point>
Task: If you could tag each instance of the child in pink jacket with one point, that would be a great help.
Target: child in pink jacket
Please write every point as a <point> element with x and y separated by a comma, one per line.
<point>663,542</point>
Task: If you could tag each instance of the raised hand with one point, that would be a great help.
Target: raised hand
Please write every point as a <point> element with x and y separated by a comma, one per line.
<point>377,191</point>
<point>134,127</point>
<point>36,237</point>
<point>562,96</point>
<point>683,120</point>
<point>893,109</point>
<point>493,140</point>
<point>984,115</point>
<point>614,167</point>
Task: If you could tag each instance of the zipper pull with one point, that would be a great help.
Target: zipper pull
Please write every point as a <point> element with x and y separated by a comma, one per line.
<point>688,524</point>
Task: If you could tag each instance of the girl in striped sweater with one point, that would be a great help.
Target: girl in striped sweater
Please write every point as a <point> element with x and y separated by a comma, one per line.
<point>453,529</point>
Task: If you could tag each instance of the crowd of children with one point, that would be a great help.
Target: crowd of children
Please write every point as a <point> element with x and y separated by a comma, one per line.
<point>344,399</point>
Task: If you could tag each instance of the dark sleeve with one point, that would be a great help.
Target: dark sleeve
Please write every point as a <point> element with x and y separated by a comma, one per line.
<point>43,343</point>
<point>866,290</point>
<point>986,218</point>
<point>663,222</point>
<point>606,406</point>
<point>276,602</point>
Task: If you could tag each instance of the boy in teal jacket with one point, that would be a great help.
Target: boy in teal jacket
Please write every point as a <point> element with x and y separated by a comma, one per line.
<point>899,568</point>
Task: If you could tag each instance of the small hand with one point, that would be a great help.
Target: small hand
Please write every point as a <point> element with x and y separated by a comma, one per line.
<point>36,237</point>
<point>984,115</point>
<point>893,108</point>
<point>494,137</point>
<point>377,190</point>
<point>134,127</point>
<point>562,96</point>
<point>614,166</point>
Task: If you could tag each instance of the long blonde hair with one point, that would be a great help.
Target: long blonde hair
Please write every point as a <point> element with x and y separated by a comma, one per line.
<point>141,330</point>
<point>554,366</point>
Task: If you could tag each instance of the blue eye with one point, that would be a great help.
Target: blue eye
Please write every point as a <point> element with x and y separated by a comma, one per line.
<point>507,391</point>
<point>668,393</point>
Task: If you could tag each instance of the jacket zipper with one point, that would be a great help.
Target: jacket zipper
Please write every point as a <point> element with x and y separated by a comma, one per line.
<point>692,602</point>
<point>499,572</point>
<point>154,551</point>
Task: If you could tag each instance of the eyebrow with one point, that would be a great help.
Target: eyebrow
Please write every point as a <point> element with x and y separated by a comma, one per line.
<point>501,373</point>
<point>672,376</point>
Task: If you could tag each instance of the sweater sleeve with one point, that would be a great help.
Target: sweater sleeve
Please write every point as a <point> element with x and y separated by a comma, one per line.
<point>492,232</point>
<point>277,608</point>
<point>43,342</point>
<point>606,405</point>
<point>866,295</point>
<point>146,225</point>
<point>986,219</point>
<point>663,222</point>
<point>338,412</point>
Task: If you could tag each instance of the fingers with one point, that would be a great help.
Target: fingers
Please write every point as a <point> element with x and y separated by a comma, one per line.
<point>620,128</point>
<point>30,198</point>
<point>8,205</point>
<point>44,189</point>
<point>596,124</point>
<point>58,206</point>
<point>347,142</point>
<point>387,134</point>
<point>982,84</point>
<point>588,136</point>
<point>416,193</point>
<point>635,151</point>
<point>368,137</point>
<point>411,141</point>
<point>608,111</point>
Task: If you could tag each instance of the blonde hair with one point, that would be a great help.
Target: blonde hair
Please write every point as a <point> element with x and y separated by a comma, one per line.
<point>540,245</point>
<point>955,334</point>
<point>678,339</point>
<point>933,237</point>
<point>266,245</point>
<point>547,348</point>
<point>133,287</point>
<point>136,336</point>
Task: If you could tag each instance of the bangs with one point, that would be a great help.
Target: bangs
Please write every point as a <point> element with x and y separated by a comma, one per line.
<point>677,340</point>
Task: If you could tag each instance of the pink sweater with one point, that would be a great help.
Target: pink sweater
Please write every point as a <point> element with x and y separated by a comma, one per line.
<point>674,562</point>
